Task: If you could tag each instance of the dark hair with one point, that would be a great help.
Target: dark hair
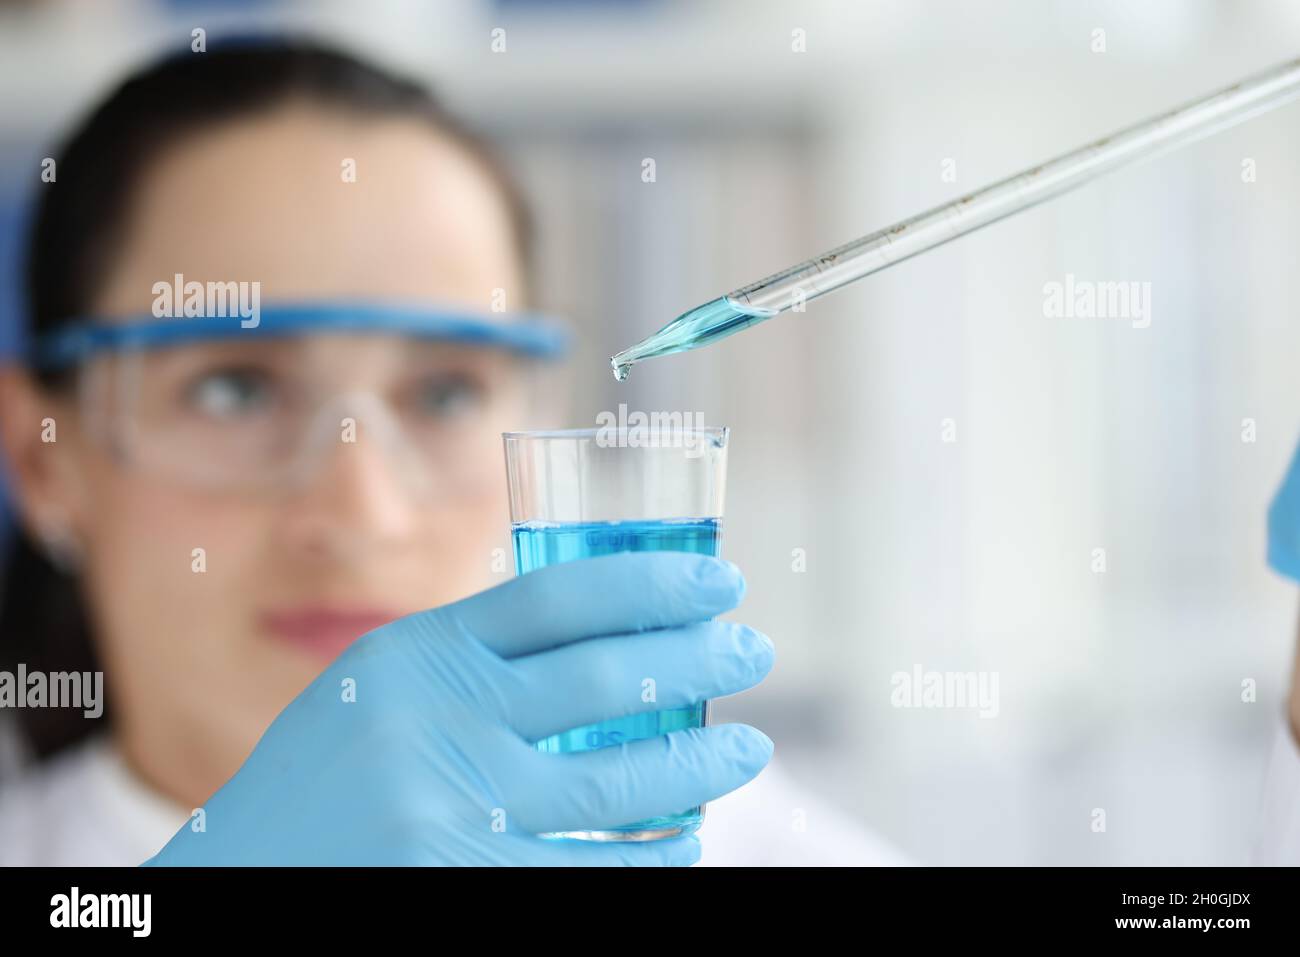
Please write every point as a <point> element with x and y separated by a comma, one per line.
<point>74,234</point>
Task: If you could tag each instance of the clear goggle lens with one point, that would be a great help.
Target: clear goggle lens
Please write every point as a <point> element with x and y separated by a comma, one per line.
<point>268,413</point>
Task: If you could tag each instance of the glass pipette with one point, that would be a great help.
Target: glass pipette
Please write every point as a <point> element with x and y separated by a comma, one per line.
<point>758,301</point>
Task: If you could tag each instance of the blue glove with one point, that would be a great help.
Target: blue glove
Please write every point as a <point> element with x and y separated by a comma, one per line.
<point>1284,524</point>
<point>433,762</point>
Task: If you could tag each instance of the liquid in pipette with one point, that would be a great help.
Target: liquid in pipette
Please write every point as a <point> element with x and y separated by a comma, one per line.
<point>714,320</point>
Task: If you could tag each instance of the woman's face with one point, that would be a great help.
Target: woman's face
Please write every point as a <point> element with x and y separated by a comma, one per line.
<point>201,655</point>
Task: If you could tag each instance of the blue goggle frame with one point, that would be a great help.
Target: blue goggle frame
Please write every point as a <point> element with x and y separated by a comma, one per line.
<point>527,334</point>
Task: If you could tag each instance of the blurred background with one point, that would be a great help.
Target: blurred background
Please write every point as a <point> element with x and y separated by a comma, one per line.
<point>1119,690</point>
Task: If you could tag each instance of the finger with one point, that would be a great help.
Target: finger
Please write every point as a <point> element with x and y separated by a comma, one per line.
<point>609,595</point>
<point>672,852</point>
<point>658,777</point>
<point>590,681</point>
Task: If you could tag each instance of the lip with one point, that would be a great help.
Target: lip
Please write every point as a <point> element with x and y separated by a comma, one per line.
<point>323,631</point>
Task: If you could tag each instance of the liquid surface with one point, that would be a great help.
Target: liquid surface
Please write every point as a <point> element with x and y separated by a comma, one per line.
<point>539,544</point>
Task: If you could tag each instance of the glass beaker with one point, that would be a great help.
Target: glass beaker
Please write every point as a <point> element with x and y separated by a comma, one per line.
<point>587,492</point>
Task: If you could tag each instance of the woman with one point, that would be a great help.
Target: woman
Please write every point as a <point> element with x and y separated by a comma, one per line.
<point>262,419</point>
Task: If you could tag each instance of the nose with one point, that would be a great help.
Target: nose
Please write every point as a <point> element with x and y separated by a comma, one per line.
<point>354,498</point>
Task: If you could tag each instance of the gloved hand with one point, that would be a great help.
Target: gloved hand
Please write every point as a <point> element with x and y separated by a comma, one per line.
<point>433,762</point>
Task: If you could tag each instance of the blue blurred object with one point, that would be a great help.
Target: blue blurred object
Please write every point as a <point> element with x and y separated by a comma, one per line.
<point>12,221</point>
<point>1284,523</point>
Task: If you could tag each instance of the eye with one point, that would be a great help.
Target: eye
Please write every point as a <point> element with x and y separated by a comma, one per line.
<point>228,393</point>
<point>448,395</point>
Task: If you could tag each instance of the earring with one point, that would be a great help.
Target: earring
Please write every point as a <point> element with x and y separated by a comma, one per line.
<point>62,547</point>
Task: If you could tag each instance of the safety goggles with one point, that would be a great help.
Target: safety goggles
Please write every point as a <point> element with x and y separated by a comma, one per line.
<point>213,402</point>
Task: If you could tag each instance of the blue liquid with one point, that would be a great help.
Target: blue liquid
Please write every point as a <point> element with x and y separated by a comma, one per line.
<point>539,544</point>
<point>710,322</point>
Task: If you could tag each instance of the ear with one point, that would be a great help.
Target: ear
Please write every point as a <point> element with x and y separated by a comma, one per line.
<point>37,440</point>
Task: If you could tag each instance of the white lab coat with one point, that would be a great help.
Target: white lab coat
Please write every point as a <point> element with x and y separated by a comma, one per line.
<point>86,808</point>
